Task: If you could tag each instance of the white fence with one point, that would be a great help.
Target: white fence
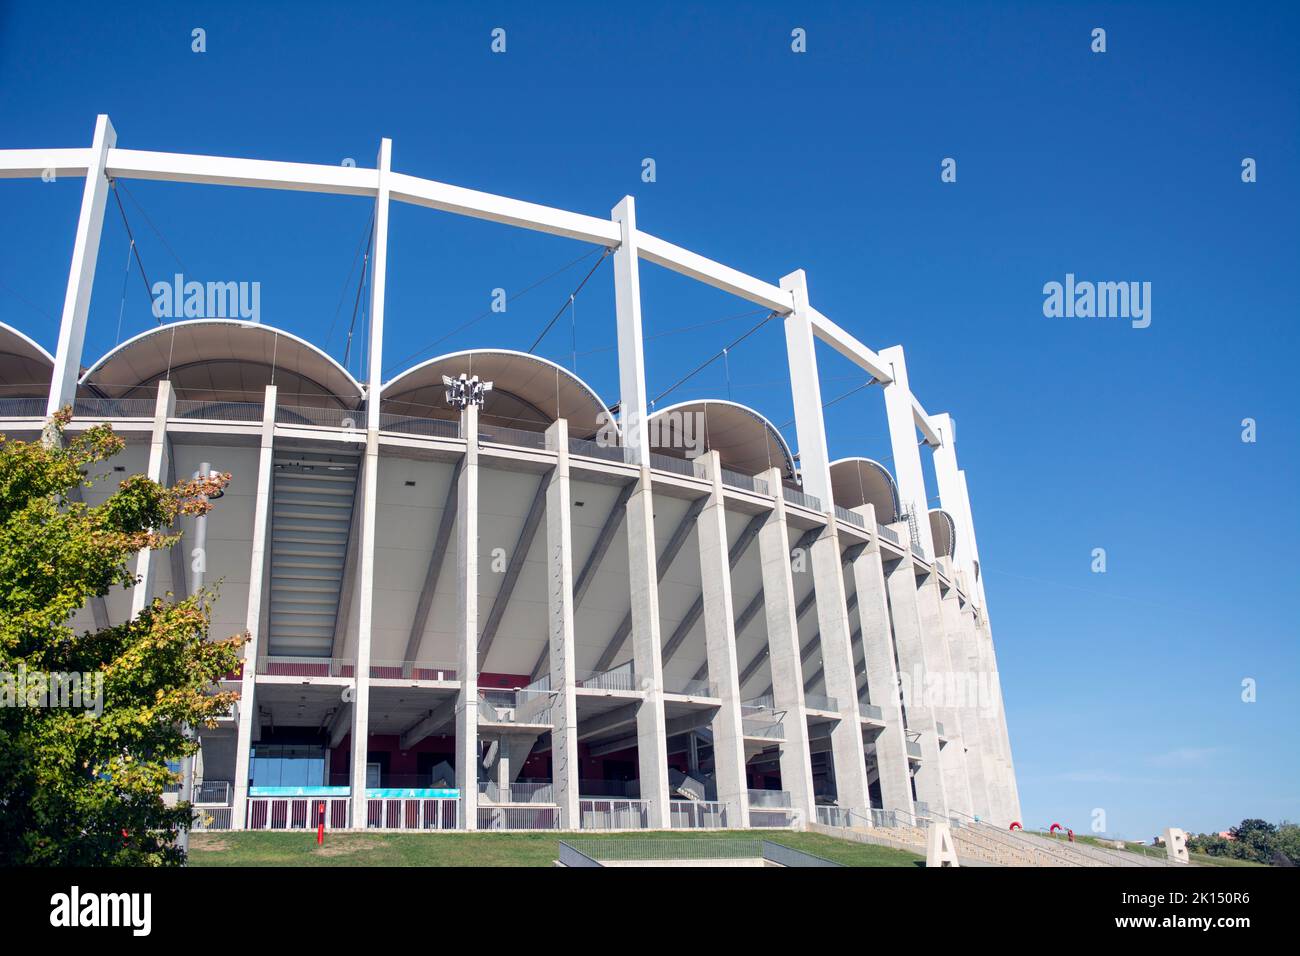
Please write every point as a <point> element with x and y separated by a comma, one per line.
<point>697,815</point>
<point>613,814</point>
<point>413,813</point>
<point>297,813</point>
<point>518,818</point>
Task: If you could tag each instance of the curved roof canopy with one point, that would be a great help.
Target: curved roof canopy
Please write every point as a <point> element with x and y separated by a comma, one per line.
<point>944,532</point>
<point>224,360</point>
<point>25,367</point>
<point>860,481</point>
<point>528,392</point>
<point>744,440</point>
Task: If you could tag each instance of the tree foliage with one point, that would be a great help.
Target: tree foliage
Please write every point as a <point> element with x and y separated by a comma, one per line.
<point>79,788</point>
<point>1252,839</point>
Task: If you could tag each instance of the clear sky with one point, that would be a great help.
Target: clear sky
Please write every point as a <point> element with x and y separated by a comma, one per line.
<point>1123,689</point>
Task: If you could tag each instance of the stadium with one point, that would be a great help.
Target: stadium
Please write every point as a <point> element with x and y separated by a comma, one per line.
<point>479,596</point>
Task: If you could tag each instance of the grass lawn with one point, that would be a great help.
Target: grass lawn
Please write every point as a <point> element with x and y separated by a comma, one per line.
<point>483,849</point>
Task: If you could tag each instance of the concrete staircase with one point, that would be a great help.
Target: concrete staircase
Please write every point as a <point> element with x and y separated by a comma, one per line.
<point>311,514</point>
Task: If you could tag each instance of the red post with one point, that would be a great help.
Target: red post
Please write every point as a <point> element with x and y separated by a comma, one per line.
<point>320,824</point>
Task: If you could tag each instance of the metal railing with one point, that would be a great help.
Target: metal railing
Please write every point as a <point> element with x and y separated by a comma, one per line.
<point>770,799</point>
<point>113,407</point>
<point>320,417</point>
<point>763,729</point>
<point>426,427</point>
<point>518,437</point>
<point>297,813</point>
<point>795,497</point>
<point>306,667</point>
<point>518,793</point>
<point>919,553</point>
<point>680,466</point>
<point>413,813</point>
<point>735,479</point>
<point>938,729</point>
<point>870,711</point>
<point>518,818</point>
<point>411,670</point>
<point>192,410</point>
<point>22,408</point>
<point>889,534</point>
<point>913,749</point>
<point>852,517</point>
<point>697,815</point>
<point>212,818</point>
<point>595,449</point>
<point>638,849</point>
<point>834,817</point>
<point>596,814</point>
<point>520,706</point>
<point>622,677</point>
<point>821,702</point>
<point>691,688</point>
<point>212,793</point>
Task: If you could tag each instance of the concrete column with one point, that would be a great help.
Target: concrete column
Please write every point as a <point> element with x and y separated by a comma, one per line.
<point>146,563</point>
<point>633,409</point>
<point>560,605</point>
<point>365,621</point>
<point>989,750</point>
<point>257,567</point>
<point>805,385</point>
<point>378,283</point>
<point>467,622</point>
<point>967,676</point>
<point>837,670</point>
<point>81,274</point>
<point>902,438</point>
<point>882,673</point>
<point>937,685</point>
<point>783,652</point>
<point>643,580</point>
<point>900,583</point>
<point>720,646</point>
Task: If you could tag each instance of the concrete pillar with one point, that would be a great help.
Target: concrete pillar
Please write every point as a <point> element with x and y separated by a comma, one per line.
<point>837,670</point>
<point>633,409</point>
<point>882,673</point>
<point>902,439</point>
<point>378,283</point>
<point>467,622</point>
<point>369,503</point>
<point>643,580</point>
<point>253,619</point>
<point>720,646</point>
<point>805,386</point>
<point>938,684</point>
<point>783,652</point>
<point>966,679</point>
<point>146,563</point>
<point>370,490</point>
<point>900,583</point>
<point>985,715</point>
<point>560,606</point>
<point>81,274</point>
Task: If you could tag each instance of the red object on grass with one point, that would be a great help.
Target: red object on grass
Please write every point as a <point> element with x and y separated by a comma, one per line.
<point>1015,825</point>
<point>320,824</point>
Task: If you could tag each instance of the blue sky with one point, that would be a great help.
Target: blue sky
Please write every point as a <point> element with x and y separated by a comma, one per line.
<point>1123,689</point>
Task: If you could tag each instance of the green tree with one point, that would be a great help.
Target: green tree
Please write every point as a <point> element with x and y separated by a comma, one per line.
<point>79,788</point>
<point>1255,840</point>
